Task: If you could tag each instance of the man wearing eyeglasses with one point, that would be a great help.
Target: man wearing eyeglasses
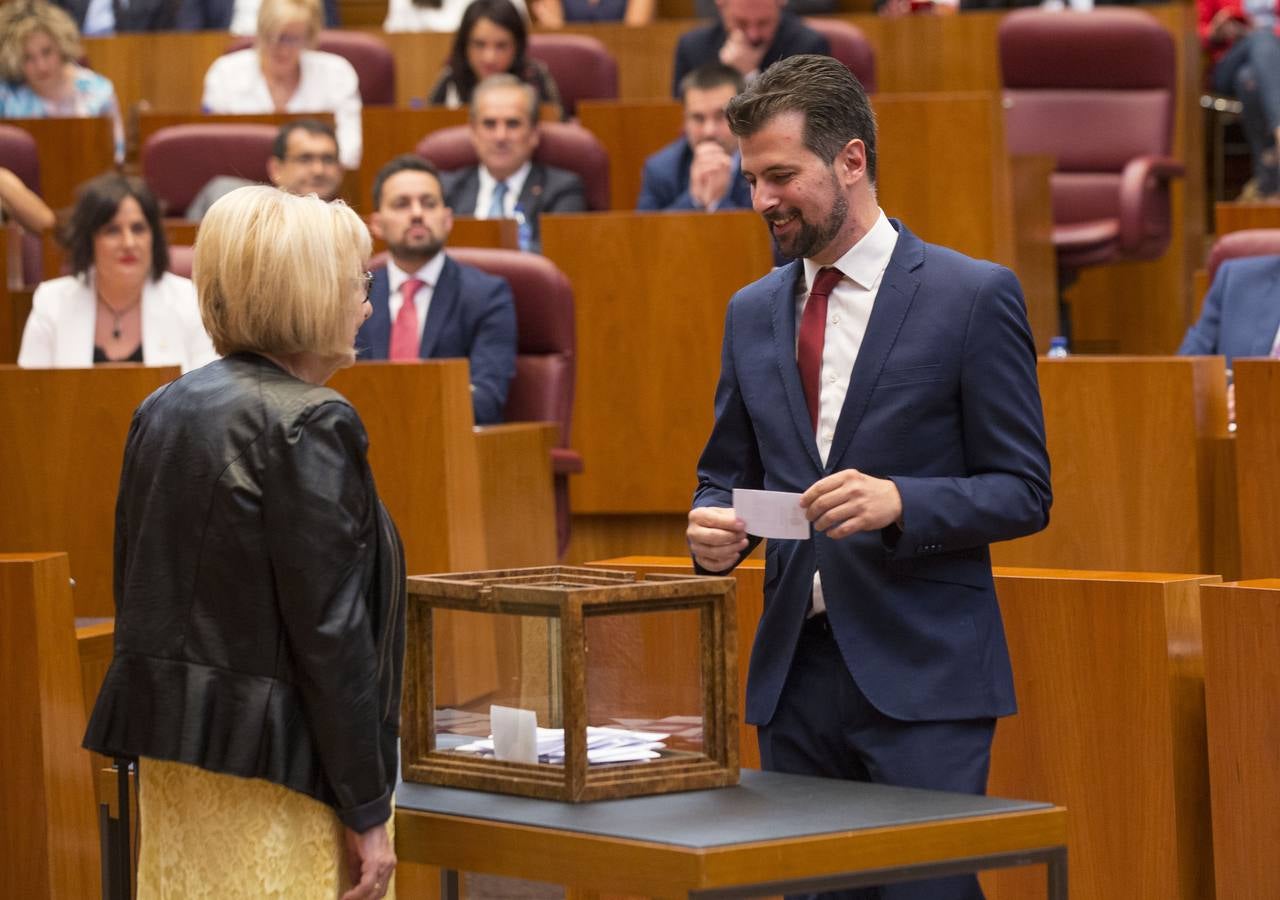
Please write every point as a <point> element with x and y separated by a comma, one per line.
<point>304,160</point>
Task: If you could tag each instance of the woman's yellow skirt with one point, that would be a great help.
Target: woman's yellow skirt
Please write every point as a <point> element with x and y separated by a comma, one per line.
<point>207,835</point>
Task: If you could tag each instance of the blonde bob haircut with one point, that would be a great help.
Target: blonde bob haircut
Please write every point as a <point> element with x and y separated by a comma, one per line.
<point>280,274</point>
<point>274,15</point>
<point>19,19</point>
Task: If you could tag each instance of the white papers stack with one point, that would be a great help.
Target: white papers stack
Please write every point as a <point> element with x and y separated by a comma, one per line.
<point>604,745</point>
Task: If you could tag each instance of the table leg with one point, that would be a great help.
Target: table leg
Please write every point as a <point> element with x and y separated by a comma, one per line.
<point>448,884</point>
<point>1057,876</point>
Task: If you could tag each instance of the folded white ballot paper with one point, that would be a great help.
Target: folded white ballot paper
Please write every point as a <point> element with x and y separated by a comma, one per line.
<point>515,734</point>
<point>771,514</point>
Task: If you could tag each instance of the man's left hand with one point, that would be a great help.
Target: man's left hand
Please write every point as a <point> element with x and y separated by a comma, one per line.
<point>849,502</point>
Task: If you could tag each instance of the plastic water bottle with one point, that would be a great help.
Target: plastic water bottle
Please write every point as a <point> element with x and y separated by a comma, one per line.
<point>1058,348</point>
<point>524,232</point>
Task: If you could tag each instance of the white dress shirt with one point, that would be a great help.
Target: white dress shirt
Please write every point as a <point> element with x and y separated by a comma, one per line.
<point>405,15</point>
<point>429,275</point>
<point>234,84</point>
<point>59,332</point>
<point>244,17</point>
<point>484,194</point>
<point>848,311</point>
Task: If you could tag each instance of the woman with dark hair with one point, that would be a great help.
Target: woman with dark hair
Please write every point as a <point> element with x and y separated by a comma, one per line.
<point>119,305</point>
<point>491,40</point>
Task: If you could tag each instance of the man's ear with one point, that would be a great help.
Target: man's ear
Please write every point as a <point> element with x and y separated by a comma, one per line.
<point>375,225</point>
<point>273,170</point>
<point>851,161</point>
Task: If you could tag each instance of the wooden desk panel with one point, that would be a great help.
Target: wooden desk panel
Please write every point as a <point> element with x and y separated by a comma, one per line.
<point>48,833</point>
<point>1257,384</point>
<point>650,323</point>
<point>1110,724</point>
<point>71,151</point>
<point>1241,681</point>
<point>1130,446</point>
<point>64,432</point>
<point>1229,217</point>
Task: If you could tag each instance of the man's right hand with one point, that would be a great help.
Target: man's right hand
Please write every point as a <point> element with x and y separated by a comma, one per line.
<point>739,53</point>
<point>716,536</point>
<point>709,173</point>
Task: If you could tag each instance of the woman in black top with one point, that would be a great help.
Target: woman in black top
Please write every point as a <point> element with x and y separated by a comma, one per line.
<point>259,582</point>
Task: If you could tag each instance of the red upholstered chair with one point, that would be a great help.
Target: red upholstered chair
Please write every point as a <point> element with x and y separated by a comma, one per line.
<point>1235,244</point>
<point>850,46</point>
<point>18,155</point>
<point>542,390</point>
<point>583,68</point>
<point>371,58</point>
<point>562,144</point>
<point>1096,92</point>
<point>180,259</point>
<point>178,161</point>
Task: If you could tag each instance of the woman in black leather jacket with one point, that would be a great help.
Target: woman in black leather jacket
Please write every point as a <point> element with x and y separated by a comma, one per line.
<point>259,582</point>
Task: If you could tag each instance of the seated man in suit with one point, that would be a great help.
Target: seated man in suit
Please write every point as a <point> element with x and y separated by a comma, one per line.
<point>750,36</point>
<point>1241,314</point>
<point>701,169</point>
<point>508,184</point>
<point>425,305</point>
<point>236,16</point>
<point>304,160</point>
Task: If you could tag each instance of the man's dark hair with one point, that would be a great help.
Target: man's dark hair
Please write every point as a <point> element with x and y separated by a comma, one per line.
<point>834,105</point>
<point>97,203</point>
<point>404,163</point>
<point>712,75</point>
<point>280,147</point>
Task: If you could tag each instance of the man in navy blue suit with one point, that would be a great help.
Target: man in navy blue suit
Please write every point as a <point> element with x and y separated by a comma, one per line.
<point>427,306</point>
<point>1241,315</point>
<point>700,169</point>
<point>891,384</point>
<point>749,35</point>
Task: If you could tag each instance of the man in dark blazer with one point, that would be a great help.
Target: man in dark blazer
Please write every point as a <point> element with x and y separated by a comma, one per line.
<point>507,183</point>
<point>1241,314</point>
<point>891,385</point>
<point>700,169</point>
<point>426,305</point>
<point>117,16</point>
<point>216,15</point>
<point>750,36</point>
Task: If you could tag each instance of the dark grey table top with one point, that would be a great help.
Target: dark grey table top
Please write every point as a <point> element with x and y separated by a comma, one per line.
<point>765,806</point>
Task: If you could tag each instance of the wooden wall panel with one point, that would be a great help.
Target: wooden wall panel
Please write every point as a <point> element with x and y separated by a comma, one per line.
<point>1257,387</point>
<point>71,151</point>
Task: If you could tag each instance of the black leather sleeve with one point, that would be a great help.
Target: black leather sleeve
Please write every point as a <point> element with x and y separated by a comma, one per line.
<point>320,519</point>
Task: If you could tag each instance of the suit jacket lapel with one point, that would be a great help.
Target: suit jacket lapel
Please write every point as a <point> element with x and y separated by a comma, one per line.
<point>1268,315</point>
<point>374,339</point>
<point>444,297</point>
<point>783,304</point>
<point>531,193</point>
<point>897,290</point>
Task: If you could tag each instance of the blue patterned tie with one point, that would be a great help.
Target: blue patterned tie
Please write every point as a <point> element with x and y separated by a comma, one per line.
<point>497,209</point>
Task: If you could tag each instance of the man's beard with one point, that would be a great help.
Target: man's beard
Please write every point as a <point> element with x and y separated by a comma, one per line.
<point>423,253</point>
<point>811,237</point>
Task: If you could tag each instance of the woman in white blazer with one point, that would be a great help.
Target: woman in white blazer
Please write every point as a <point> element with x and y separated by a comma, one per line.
<point>120,305</point>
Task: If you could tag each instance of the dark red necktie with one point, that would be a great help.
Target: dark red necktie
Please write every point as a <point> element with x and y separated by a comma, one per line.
<point>813,331</point>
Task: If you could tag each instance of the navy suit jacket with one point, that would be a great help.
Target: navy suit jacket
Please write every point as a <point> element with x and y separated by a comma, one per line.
<point>943,400</point>
<point>546,190</point>
<point>471,316</point>
<point>215,15</point>
<point>138,15</point>
<point>1241,312</point>
<point>702,45</point>
<point>665,184</point>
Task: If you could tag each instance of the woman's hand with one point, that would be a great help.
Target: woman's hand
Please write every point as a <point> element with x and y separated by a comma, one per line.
<point>370,860</point>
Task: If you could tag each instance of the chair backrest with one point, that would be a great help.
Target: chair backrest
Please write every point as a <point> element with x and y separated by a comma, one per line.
<point>1093,90</point>
<point>546,343</point>
<point>561,144</point>
<point>18,154</point>
<point>373,61</point>
<point>850,46</point>
<point>583,68</point>
<point>178,161</point>
<point>1235,244</point>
